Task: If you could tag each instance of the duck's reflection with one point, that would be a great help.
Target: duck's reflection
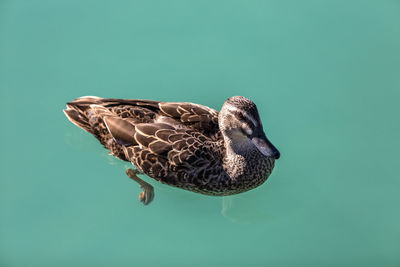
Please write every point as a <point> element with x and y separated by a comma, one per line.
<point>245,209</point>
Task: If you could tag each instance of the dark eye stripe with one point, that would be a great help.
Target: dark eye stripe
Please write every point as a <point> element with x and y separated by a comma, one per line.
<point>239,115</point>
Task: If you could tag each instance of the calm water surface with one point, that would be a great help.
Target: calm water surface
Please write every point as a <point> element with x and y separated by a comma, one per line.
<point>325,77</point>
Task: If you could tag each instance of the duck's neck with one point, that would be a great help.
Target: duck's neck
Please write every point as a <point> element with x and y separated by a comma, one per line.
<point>242,160</point>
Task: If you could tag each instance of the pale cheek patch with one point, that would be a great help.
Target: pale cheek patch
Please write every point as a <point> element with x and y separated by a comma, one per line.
<point>238,136</point>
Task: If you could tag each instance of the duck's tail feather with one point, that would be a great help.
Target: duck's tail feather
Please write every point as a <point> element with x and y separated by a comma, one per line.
<point>76,111</point>
<point>88,113</point>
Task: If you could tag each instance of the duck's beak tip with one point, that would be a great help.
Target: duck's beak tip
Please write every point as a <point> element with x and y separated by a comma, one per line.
<point>277,154</point>
<point>266,148</point>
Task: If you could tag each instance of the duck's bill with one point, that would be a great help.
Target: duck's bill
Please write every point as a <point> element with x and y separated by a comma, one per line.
<point>265,147</point>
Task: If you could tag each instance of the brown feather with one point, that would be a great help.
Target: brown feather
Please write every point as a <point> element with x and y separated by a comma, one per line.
<point>160,147</point>
<point>163,134</point>
<point>121,129</point>
<point>143,140</point>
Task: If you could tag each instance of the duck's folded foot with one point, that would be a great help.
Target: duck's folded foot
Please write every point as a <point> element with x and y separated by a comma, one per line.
<point>147,195</point>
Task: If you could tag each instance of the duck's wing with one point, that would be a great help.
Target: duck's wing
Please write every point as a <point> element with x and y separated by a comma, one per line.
<point>193,116</point>
<point>172,155</point>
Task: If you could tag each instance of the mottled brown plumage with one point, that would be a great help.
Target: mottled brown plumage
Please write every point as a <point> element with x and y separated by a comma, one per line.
<point>185,145</point>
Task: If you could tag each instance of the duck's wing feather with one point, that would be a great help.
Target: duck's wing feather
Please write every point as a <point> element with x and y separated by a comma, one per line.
<point>190,115</point>
<point>170,154</point>
<point>194,116</point>
<point>184,163</point>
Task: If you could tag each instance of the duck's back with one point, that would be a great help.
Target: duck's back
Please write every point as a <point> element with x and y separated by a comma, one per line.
<point>175,143</point>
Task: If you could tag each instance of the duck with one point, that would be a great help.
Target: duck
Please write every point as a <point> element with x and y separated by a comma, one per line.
<point>181,144</point>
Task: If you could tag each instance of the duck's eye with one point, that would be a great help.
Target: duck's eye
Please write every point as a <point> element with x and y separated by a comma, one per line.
<point>238,115</point>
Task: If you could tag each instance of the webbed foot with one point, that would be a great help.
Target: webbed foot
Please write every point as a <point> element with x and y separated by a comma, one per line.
<point>147,195</point>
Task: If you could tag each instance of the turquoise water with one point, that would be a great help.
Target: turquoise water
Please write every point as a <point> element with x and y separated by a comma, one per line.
<point>325,77</point>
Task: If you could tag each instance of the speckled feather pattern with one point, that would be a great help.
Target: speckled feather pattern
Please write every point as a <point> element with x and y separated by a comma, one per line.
<point>179,144</point>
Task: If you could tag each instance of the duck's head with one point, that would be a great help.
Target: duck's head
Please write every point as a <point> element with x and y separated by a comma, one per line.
<point>241,126</point>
